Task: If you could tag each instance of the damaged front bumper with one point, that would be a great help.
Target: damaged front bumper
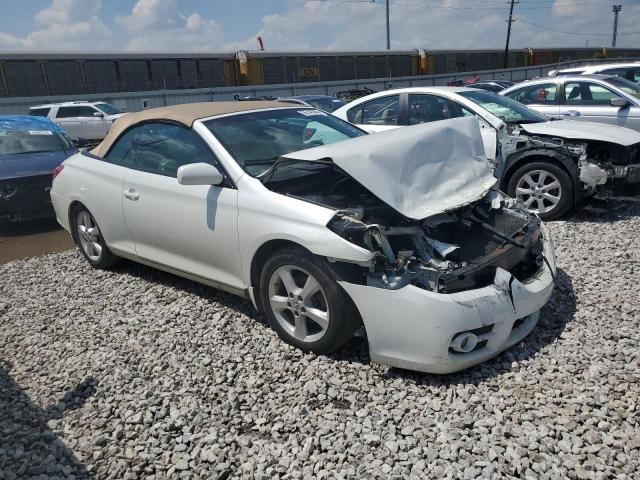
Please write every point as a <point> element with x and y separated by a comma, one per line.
<point>417,329</point>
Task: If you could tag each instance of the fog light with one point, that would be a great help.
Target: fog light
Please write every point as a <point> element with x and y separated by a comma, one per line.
<point>464,342</point>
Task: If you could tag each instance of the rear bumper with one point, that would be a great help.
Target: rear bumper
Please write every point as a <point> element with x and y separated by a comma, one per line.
<point>61,207</point>
<point>415,329</point>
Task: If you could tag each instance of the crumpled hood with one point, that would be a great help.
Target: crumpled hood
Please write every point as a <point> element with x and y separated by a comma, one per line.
<point>421,170</point>
<point>577,130</point>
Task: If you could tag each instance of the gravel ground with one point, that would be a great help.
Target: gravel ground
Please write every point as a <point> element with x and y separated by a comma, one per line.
<point>133,373</point>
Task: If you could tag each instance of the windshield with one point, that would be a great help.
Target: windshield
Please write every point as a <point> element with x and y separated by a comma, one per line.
<point>107,108</point>
<point>32,141</point>
<point>257,139</point>
<point>506,109</point>
<point>625,85</point>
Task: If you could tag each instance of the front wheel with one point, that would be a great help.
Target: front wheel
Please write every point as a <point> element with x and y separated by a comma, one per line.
<point>544,188</point>
<point>304,303</point>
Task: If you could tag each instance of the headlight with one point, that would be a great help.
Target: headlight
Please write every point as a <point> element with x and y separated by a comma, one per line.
<point>7,190</point>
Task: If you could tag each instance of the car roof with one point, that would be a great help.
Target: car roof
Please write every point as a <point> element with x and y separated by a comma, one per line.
<point>307,97</point>
<point>565,78</point>
<point>68,104</point>
<point>610,65</point>
<point>26,122</point>
<point>185,114</point>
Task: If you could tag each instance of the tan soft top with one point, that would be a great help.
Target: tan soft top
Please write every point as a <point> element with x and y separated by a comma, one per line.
<point>185,114</point>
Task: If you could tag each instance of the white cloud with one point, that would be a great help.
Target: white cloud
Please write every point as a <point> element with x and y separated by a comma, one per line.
<point>147,14</point>
<point>566,8</point>
<point>65,25</point>
<point>158,26</point>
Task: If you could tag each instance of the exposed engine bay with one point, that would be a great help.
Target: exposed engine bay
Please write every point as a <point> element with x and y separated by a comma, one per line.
<point>599,163</point>
<point>446,253</point>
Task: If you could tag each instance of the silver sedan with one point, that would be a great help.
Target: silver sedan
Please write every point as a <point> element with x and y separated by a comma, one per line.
<point>592,98</point>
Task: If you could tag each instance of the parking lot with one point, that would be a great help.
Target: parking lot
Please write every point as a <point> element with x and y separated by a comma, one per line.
<point>132,373</point>
<point>28,239</point>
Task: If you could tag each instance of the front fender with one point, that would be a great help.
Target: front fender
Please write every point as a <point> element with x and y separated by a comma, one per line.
<point>264,216</point>
<point>516,160</point>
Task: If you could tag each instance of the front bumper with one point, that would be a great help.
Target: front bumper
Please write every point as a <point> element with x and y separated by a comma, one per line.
<point>28,199</point>
<point>413,328</point>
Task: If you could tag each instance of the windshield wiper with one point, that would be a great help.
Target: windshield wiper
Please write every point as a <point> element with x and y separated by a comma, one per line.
<point>266,161</point>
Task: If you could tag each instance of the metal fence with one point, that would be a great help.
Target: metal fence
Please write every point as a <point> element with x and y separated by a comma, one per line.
<point>135,101</point>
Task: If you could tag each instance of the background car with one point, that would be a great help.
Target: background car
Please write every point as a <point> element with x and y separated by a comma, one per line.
<point>542,161</point>
<point>325,103</point>
<point>323,237</point>
<point>491,85</point>
<point>87,120</point>
<point>630,71</point>
<point>30,150</point>
<point>590,98</point>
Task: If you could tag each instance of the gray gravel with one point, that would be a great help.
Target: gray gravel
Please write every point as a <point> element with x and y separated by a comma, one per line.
<point>133,373</point>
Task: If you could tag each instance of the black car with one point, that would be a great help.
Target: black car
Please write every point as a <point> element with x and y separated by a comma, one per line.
<point>491,85</point>
<point>31,148</point>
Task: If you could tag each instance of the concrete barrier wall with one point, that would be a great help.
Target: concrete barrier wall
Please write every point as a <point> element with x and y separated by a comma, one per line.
<point>135,101</point>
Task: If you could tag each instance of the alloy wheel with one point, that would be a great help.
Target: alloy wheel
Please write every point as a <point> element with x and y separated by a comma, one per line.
<point>539,190</point>
<point>299,303</point>
<point>89,236</point>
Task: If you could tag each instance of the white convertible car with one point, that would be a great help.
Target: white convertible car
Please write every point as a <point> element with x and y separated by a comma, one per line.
<point>323,227</point>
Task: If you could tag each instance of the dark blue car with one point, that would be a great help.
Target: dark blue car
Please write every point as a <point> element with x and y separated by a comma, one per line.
<point>321,102</point>
<point>30,150</point>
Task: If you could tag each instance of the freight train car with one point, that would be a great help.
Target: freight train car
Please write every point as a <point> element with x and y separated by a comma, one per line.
<point>263,67</point>
<point>31,74</point>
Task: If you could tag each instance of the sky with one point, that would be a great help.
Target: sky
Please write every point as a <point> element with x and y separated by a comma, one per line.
<point>229,25</point>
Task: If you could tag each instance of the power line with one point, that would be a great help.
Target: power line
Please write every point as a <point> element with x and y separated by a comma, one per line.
<point>582,34</point>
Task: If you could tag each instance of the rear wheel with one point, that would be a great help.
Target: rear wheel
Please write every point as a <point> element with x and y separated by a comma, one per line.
<point>304,303</point>
<point>90,240</point>
<point>544,188</point>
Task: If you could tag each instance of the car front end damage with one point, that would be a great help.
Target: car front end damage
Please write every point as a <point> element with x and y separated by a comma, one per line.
<point>453,290</point>
<point>606,161</point>
<point>459,272</point>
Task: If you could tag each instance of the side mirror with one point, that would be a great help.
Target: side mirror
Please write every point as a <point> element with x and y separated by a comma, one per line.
<point>80,142</point>
<point>199,174</point>
<point>98,114</point>
<point>619,102</point>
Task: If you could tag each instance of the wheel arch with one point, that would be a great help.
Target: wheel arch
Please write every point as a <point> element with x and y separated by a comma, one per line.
<point>259,258</point>
<point>341,270</point>
<point>73,206</point>
<point>559,159</point>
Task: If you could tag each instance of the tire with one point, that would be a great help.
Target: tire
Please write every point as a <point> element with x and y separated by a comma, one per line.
<point>88,237</point>
<point>305,305</point>
<point>551,198</point>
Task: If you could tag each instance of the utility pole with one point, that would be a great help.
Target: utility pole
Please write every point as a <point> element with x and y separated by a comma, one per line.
<point>389,34</point>
<point>616,9</point>
<point>506,48</point>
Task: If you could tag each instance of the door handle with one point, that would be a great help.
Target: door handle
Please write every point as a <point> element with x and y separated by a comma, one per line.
<point>572,113</point>
<point>131,194</point>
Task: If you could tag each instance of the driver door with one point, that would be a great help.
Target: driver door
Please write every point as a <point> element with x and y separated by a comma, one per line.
<point>191,228</point>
